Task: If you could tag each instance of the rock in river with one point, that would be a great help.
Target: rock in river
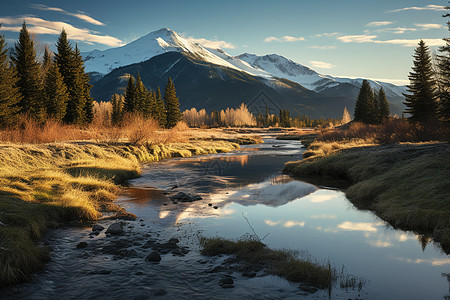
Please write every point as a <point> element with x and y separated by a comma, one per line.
<point>154,256</point>
<point>115,228</point>
<point>97,227</point>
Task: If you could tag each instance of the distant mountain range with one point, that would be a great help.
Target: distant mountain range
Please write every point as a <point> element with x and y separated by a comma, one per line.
<point>212,79</point>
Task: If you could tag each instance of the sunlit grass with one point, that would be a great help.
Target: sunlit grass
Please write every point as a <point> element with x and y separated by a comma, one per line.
<point>44,185</point>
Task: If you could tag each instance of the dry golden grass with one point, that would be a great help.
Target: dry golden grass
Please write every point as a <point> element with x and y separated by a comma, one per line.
<point>43,185</point>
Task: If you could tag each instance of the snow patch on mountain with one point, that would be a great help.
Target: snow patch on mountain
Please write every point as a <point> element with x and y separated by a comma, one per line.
<point>146,47</point>
<point>268,67</point>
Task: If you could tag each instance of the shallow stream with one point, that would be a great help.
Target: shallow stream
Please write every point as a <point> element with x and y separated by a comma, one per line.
<point>242,192</point>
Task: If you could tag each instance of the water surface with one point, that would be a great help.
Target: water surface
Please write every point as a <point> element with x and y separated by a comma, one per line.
<point>250,194</point>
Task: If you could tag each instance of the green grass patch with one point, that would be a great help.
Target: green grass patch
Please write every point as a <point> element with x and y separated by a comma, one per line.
<point>253,255</point>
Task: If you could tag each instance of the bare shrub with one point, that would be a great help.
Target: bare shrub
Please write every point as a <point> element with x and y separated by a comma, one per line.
<point>138,129</point>
<point>27,130</point>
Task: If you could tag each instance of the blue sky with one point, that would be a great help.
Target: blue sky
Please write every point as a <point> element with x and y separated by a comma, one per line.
<point>352,38</point>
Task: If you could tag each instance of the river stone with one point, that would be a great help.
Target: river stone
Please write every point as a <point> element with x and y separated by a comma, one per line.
<point>115,228</point>
<point>226,280</point>
<point>81,245</point>
<point>181,196</point>
<point>154,256</point>
<point>97,227</point>
<point>174,240</point>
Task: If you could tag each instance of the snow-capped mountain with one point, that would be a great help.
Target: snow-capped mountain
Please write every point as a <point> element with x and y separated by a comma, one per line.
<point>267,66</point>
<point>279,66</point>
<point>153,44</point>
<point>299,86</point>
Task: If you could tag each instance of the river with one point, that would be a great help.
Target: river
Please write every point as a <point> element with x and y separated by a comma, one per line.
<point>243,192</point>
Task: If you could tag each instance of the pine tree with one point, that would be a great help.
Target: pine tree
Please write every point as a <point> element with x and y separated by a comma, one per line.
<point>88,108</point>
<point>141,97</point>
<point>159,110</point>
<point>364,107</point>
<point>149,103</point>
<point>171,103</point>
<point>69,67</point>
<point>28,72</point>
<point>46,61</point>
<point>444,76</point>
<point>55,93</point>
<point>9,93</point>
<point>383,106</point>
<point>129,104</point>
<point>421,100</point>
<point>117,107</point>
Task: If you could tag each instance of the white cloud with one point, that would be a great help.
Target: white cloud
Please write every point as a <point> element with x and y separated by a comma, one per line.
<point>285,38</point>
<point>429,26</point>
<point>428,7</point>
<point>80,16</point>
<point>323,47</point>
<point>41,26</point>
<point>272,223</point>
<point>321,64</point>
<point>401,42</point>
<point>328,34</point>
<point>400,30</point>
<point>380,23</point>
<point>357,38</point>
<point>358,226</point>
<point>290,224</point>
<point>287,224</point>
<point>212,44</point>
<point>412,42</point>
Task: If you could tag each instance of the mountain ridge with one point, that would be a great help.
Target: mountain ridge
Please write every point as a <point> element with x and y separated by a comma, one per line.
<point>293,83</point>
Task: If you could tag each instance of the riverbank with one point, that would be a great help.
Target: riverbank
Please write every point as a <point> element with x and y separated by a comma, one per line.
<point>404,184</point>
<point>46,185</point>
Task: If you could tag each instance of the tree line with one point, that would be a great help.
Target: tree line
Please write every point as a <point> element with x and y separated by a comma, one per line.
<point>428,97</point>
<point>55,87</point>
<point>241,117</point>
<point>137,99</point>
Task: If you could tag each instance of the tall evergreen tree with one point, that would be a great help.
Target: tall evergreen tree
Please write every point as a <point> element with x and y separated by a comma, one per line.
<point>88,108</point>
<point>9,93</point>
<point>141,97</point>
<point>28,72</point>
<point>421,100</point>
<point>46,61</point>
<point>364,107</point>
<point>159,110</point>
<point>129,104</point>
<point>383,106</point>
<point>149,103</point>
<point>69,67</point>
<point>117,107</point>
<point>171,103</point>
<point>444,76</point>
<point>55,93</point>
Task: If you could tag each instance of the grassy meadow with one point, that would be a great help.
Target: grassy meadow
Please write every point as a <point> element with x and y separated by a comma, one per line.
<point>51,174</point>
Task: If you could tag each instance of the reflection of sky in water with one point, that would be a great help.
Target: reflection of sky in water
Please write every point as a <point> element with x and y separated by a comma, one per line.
<point>296,215</point>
